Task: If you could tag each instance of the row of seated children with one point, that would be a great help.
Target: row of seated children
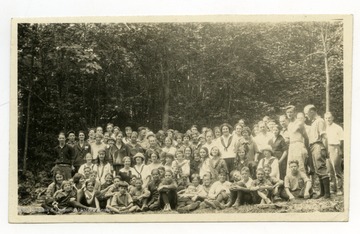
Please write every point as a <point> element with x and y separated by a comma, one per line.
<point>164,193</point>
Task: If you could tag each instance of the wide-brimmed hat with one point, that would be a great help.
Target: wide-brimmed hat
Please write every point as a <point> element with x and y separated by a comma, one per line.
<point>308,108</point>
<point>267,148</point>
<point>139,155</point>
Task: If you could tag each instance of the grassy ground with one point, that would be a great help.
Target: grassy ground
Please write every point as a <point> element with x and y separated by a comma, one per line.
<point>335,204</point>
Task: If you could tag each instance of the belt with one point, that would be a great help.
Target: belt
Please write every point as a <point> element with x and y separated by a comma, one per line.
<point>292,142</point>
<point>334,144</point>
<point>318,142</point>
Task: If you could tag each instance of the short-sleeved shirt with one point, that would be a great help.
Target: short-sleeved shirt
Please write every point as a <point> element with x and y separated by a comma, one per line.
<point>121,200</point>
<point>317,128</point>
<point>334,134</point>
<point>295,182</point>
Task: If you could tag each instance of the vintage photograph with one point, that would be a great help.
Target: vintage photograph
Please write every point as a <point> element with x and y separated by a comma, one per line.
<point>180,118</point>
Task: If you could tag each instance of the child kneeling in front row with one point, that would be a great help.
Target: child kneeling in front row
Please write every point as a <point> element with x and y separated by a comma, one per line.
<point>297,184</point>
<point>122,202</point>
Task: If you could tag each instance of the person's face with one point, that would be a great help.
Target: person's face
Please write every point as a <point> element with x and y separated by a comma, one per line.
<point>61,139</point>
<point>271,125</point>
<point>238,129</point>
<point>99,130</point>
<point>92,176</point>
<point>290,113</point>
<point>167,142</point>
<point>81,136</point>
<point>179,155</point>
<point>152,141</point>
<point>186,140</point>
<point>170,134</point>
<point>310,114</point>
<point>178,139</point>
<point>195,182</point>
<point>208,138</point>
<point>138,160</point>
<point>111,143</point>
<point>98,139</point>
<point>128,132</point>
<point>88,158</point>
<point>194,130</point>
<point>168,175</point>
<point>161,173</point>
<point>119,138</point>
<point>267,153</point>
<point>109,128</point>
<point>283,122</point>
<point>90,187</point>
<point>59,178</point>
<point>72,137</point>
<point>108,179</point>
<point>143,133</point>
<point>245,134</point>
<point>102,156</point>
<point>262,128</point>
<point>117,182</point>
<point>215,151</point>
<point>203,130</point>
<point>122,190</point>
<point>91,133</point>
<point>87,173</point>
<point>260,175</point>
<point>275,131</point>
<point>154,158</point>
<point>256,130</point>
<point>133,138</point>
<point>168,160</point>
<point>241,153</point>
<point>82,180</point>
<point>202,154</point>
<point>245,175</point>
<point>225,131</point>
<point>329,119</point>
<point>294,168</point>
<point>206,181</point>
<point>267,171</point>
<point>301,118</point>
<point>67,187</point>
<point>138,184</point>
<point>187,152</point>
<point>155,175</point>
<point>127,162</point>
<point>197,157</point>
<point>222,178</point>
<point>266,119</point>
<point>242,123</point>
<point>202,140</point>
<point>116,130</point>
<point>132,181</point>
<point>237,176</point>
<point>106,136</point>
<point>217,133</point>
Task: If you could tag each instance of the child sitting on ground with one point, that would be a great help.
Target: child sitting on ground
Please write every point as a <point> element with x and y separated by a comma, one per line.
<point>297,184</point>
<point>261,188</point>
<point>189,199</point>
<point>277,183</point>
<point>140,194</point>
<point>122,201</point>
<point>239,190</point>
<point>219,192</point>
<point>167,192</point>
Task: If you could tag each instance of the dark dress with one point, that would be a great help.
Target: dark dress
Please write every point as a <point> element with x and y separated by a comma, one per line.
<point>279,146</point>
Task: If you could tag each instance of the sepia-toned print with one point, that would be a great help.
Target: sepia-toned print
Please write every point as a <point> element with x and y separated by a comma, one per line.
<point>180,119</point>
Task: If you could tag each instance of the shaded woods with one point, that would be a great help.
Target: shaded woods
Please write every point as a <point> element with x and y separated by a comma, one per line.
<point>167,75</point>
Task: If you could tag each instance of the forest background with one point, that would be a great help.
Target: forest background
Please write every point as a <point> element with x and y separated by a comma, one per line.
<point>168,75</point>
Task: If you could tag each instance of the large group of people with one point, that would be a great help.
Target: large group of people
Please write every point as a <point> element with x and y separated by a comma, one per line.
<point>212,168</point>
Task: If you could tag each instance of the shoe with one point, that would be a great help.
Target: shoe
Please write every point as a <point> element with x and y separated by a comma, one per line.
<point>322,192</point>
<point>277,198</point>
<point>326,183</point>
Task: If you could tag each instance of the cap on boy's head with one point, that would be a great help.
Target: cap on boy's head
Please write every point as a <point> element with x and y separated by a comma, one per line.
<point>123,184</point>
<point>71,131</point>
<point>308,108</point>
<point>150,134</point>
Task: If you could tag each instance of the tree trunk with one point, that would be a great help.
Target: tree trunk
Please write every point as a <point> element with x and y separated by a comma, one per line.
<point>166,92</point>
<point>27,131</point>
<point>327,89</point>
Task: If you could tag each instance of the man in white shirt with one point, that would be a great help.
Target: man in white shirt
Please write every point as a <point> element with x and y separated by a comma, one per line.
<point>263,138</point>
<point>335,136</point>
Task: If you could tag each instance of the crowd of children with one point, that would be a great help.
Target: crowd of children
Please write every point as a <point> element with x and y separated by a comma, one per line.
<point>209,169</point>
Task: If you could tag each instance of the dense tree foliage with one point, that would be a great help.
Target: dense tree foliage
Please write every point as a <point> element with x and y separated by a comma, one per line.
<point>168,75</point>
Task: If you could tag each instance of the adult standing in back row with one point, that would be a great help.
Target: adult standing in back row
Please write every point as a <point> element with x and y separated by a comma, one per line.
<point>64,155</point>
<point>318,148</point>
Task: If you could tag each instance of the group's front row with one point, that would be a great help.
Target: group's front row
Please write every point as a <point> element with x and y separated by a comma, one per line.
<point>163,192</point>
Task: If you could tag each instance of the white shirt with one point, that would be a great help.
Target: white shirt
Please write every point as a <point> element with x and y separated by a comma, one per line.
<point>334,134</point>
<point>262,140</point>
<point>228,152</point>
